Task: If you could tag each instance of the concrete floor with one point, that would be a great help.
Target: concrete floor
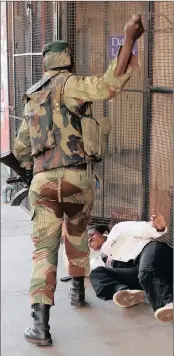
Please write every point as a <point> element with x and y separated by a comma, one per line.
<point>99,329</point>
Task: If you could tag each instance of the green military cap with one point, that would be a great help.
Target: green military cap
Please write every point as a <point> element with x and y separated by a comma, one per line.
<point>55,47</point>
<point>57,54</point>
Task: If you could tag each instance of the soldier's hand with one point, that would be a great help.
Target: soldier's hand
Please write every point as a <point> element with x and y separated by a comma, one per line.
<point>134,28</point>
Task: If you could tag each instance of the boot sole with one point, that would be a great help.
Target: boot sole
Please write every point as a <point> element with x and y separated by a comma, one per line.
<point>39,342</point>
<point>127,299</point>
<point>77,304</point>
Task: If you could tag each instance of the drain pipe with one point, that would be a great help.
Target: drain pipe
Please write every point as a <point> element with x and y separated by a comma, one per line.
<point>7,188</point>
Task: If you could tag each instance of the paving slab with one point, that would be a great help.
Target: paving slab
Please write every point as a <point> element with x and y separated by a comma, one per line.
<point>100,328</point>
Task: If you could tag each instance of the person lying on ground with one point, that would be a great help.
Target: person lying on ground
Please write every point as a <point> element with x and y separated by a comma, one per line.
<point>132,264</point>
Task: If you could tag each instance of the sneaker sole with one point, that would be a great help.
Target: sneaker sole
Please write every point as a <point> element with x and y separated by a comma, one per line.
<point>164,314</point>
<point>125,299</point>
<point>39,342</point>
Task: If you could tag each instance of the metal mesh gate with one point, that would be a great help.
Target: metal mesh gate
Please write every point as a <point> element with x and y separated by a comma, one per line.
<point>30,25</point>
<point>136,174</point>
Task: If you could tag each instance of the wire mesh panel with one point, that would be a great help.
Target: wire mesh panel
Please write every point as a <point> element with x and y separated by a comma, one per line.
<point>163,44</point>
<point>30,26</point>
<point>23,80</point>
<point>33,27</point>
<point>123,166</point>
<point>37,68</point>
<point>128,181</point>
<point>91,27</point>
<point>161,114</point>
<point>43,24</point>
<point>22,27</point>
<point>161,157</point>
<point>10,56</point>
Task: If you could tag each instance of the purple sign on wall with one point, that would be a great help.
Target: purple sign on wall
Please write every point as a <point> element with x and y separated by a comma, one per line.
<point>114,44</point>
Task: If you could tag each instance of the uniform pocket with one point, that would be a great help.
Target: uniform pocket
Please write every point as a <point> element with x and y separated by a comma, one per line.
<point>38,114</point>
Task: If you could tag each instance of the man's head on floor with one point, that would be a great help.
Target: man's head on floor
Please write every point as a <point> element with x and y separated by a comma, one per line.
<point>97,236</point>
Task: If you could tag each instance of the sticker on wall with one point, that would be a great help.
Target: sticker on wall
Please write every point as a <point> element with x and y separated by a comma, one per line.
<point>114,44</point>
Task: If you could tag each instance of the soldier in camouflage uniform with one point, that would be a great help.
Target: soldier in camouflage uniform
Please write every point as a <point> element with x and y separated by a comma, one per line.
<point>50,143</point>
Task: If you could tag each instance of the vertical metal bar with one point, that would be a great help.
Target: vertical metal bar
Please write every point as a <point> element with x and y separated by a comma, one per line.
<point>13,59</point>
<point>55,25</point>
<point>59,20</point>
<point>42,29</point>
<point>14,82</point>
<point>64,15</point>
<point>147,109</point>
<point>105,104</point>
<point>150,96</point>
<point>14,87</point>
<point>71,27</point>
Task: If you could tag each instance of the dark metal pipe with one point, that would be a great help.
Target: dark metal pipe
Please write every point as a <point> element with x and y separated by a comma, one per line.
<point>147,111</point>
<point>162,90</point>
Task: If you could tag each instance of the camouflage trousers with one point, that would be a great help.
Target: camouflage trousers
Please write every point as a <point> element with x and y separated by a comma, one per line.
<point>59,195</point>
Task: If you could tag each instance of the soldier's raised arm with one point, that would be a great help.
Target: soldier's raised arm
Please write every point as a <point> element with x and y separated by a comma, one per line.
<point>91,88</point>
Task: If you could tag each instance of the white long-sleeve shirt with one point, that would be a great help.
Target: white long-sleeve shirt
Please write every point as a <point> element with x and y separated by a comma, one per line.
<point>126,241</point>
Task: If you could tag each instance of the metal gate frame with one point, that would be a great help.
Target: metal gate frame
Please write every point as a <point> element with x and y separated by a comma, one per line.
<point>14,119</point>
<point>31,53</point>
<point>147,91</point>
<point>147,109</point>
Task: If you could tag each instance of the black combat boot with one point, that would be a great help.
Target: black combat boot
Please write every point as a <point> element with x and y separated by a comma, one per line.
<point>39,333</point>
<point>77,292</point>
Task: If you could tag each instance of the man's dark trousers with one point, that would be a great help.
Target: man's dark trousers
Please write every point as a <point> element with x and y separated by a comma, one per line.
<point>152,271</point>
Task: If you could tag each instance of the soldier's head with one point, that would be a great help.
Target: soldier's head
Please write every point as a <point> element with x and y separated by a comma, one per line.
<point>57,55</point>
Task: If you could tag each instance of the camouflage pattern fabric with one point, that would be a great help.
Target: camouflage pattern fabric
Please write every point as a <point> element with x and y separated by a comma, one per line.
<point>57,54</point>
<point>50,142</point>
<point>64,146</point>
<point>56,195</point>
<point>55,60</point>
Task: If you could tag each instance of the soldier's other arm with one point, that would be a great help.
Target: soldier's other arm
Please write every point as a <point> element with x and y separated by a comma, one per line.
<point>91,88</point>
<point>22,147</point>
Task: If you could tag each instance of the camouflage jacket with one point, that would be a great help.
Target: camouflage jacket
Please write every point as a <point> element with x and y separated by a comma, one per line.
<point>50,134</point>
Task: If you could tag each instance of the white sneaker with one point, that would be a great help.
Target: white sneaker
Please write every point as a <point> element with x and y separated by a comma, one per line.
<point>165,313</point>
<point>127,298</point>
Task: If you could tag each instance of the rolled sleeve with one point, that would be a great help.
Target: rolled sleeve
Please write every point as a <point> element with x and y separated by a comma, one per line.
<point>93,88</point>
<point>22,147</point>
<point>151,232</point>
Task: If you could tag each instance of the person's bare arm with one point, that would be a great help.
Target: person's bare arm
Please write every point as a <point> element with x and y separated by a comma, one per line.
<point>155,228</point>
<point>80,89</point>
<point>158,222</point>
<point>133,30</point>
